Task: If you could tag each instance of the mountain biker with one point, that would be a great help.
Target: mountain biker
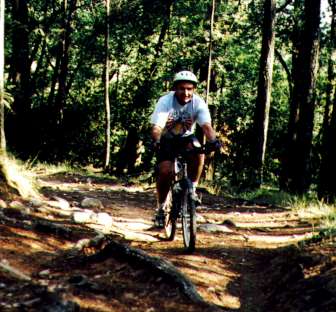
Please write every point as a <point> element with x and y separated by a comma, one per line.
<point>176,115</point>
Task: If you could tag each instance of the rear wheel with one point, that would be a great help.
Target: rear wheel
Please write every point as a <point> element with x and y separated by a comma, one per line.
<point>188,220</point>
<point>170,220</point>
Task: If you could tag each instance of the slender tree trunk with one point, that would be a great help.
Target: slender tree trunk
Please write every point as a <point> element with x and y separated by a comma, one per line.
<point>287,70</point>
<point>212,18</point>
<point>261,115</point>
<point>2,86</point>
<point>54,79</point>
<point>299,175</point>
<point>326,187</point>
<point>210,161</point>
<point>331,73</point>
<point>293,104</point>
<point>69,9</point>
<point>107,89</point>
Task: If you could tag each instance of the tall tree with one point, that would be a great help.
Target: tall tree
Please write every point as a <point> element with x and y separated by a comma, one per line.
<point>303,103</point>
<point>12,181</point>
<point>210,161</point>
<point>107,89</point>
<point>60,85</point>
<point>20,75</point>
<point>2,88</point>
<point>261,113</point>
<point>326,186</point>
<point>212,18</point>
<point>68,8</point>
<point>296,36</point>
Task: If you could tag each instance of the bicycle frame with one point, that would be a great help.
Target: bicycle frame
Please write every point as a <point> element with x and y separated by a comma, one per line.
<point>180,203</point>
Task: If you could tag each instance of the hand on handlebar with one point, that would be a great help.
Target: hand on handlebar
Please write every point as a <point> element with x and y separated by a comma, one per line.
<point>212,146</point>
<point>156,146</point>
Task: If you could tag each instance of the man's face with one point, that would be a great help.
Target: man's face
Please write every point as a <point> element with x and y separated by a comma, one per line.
<point>184,91</point>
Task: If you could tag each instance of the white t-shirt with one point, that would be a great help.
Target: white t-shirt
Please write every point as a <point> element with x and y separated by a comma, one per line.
<point>173,117</point>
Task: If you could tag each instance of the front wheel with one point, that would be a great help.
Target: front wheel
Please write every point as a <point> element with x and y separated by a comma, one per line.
<point>170,220</point>
<point>188,220</point>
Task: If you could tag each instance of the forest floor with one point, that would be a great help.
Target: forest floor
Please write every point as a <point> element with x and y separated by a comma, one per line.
<point>56,255</point>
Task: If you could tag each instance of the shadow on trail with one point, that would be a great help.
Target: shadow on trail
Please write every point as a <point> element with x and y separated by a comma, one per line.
<point>243,270</point>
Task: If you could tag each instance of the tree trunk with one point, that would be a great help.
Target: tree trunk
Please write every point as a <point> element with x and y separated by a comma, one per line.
<point>20,64</point>
<point>261,114</point>
<point>2,86</point>
<point>210,161</point>
<point>302,109</point>
<point>61,96</point>
<point>20,76</point>
<point>326,186</point>
<point>212,18</point>
<point>287,70</point>
<point>293,105</point>
<point>59,89</point>
<point>107,89</point>
<point>128,154</point>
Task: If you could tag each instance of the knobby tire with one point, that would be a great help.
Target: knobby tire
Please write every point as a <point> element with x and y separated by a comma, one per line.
<point>170,220</point>
<point>188,220</point>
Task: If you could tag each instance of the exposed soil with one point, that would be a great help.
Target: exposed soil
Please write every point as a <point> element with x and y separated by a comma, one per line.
<point>249,256</point>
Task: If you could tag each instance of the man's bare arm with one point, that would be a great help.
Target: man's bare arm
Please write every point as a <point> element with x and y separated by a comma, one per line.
<point>209,132</point>
<point>156,133</point>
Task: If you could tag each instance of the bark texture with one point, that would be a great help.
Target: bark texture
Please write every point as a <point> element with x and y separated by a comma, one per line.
<point>261,115</point>
<point>298,158</point>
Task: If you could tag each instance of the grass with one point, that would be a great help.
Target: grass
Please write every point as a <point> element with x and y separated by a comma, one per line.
<point>308,207</point>
<point>49,169</point>
<point>45,169</point>
<point>16,176</point>
<point>268,195</point>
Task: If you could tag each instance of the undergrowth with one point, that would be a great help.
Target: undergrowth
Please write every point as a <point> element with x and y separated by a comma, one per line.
<point>308,207</point>
<point>16,177</point>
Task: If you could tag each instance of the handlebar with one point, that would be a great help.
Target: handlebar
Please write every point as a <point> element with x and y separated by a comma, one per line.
<point>186,146</point>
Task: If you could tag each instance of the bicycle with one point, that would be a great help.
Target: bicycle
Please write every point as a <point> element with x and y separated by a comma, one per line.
<point>180,201</point>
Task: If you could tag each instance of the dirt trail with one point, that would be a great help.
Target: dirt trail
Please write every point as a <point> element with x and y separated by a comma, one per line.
<point>231,243</point>
<point>240,260</point>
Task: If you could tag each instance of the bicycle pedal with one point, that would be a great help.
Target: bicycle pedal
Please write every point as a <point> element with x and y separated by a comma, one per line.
<point>196,199</point>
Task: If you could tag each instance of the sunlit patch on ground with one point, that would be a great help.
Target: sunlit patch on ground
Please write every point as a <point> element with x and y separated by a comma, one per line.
<point>227,267</point>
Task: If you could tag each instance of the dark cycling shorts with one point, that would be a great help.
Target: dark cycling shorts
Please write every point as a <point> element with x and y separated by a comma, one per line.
<point>170,146</point>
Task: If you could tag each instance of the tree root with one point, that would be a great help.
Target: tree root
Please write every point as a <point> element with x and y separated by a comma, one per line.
<point>103,247</point>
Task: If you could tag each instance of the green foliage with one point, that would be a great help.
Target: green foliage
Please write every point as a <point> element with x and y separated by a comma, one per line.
<point>141,71</point>
<point>271,196</point>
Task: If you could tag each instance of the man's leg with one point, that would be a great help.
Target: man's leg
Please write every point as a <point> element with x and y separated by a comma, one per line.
<point>162,188</point>
<point>195,167</point>
<point>164,179</point>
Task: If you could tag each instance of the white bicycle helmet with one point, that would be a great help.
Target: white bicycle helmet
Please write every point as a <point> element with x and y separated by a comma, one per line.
<point>185,75</point>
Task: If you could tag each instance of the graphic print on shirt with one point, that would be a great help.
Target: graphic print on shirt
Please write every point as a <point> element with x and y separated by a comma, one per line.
<point>179,122</point>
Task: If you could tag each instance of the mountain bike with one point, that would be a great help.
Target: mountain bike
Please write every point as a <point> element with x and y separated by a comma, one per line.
<point>180,203</point>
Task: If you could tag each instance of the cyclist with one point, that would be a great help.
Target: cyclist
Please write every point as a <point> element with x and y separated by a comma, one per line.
<point>175,116</point>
